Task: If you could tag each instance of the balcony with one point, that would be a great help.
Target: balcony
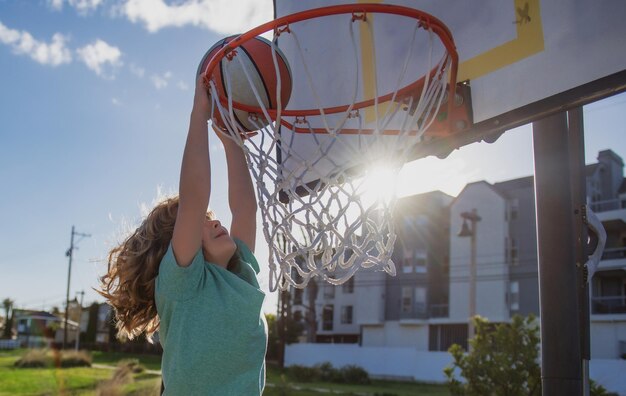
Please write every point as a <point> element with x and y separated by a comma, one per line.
<point>608,205</point>
<point>608,305</point>
<point>439,310</point>
<point>614,253</point>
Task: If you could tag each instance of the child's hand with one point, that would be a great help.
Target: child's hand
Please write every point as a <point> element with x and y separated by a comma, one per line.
<point>201,99</point>
<point>223,135</point>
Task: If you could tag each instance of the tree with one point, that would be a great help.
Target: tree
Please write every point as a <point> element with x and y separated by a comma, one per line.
<point>293,330</point>
<point>7,304</point>
<point>503,360</point>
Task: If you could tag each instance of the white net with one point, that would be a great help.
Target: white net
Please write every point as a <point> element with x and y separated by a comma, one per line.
<point>313,170</point>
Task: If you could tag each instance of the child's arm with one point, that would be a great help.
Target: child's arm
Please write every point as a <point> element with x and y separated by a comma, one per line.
<point>241,198</point>
<point>195,182</point>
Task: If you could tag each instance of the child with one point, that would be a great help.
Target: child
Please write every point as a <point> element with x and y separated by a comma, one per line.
<point>182,273</point>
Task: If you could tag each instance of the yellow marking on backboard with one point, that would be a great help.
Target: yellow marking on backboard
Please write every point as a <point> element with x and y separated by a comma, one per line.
<point>368,65</point>
<point>529,41</point>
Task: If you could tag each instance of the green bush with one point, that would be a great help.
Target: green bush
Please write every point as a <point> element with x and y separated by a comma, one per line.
<point>352,374</point>
<point>303,373</point>
<point>328,373</point>
<point>75,359</point>
<point>33,358</point>
<point>502,360</point>
<point>325,372</point>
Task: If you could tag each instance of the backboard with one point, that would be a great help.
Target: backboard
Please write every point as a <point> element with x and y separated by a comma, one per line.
<point>522,59</point>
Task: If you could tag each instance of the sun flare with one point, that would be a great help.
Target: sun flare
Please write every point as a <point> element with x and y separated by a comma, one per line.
<point>379,185</point>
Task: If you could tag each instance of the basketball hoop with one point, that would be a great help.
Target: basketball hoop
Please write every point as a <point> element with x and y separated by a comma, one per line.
<point>314,219</point>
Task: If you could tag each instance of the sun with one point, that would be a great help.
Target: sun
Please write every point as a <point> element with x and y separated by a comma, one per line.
<point>378,185</point>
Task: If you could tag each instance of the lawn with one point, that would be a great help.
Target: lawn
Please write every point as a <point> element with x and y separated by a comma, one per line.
<point>84,381</point>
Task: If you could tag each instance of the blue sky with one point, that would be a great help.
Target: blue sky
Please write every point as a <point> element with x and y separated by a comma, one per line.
<point>94,103</point>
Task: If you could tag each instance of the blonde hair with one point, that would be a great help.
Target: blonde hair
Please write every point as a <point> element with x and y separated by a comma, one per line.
<point>133,267</point>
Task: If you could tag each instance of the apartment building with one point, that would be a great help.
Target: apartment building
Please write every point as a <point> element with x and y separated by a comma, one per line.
<point>426,305</point>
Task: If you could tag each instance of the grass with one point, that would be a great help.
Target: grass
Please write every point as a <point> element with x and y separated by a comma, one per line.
<point>81,381</point>
<point>275,377</point>
<point>84,381</point>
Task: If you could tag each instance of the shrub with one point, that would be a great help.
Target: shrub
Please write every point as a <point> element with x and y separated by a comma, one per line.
<point>303,373</point>
<point>349,374</point>
<point>33,358</point>
<point>352,374</point>
<point>122,375</point>
<point>75,359</point>
<point>328,373</point>
<point>503,360</point>
<point>133,365</point>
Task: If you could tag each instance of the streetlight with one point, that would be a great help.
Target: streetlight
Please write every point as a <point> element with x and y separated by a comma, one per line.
<point>470,231</point>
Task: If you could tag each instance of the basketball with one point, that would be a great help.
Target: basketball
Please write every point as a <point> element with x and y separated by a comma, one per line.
<point>255,56</point>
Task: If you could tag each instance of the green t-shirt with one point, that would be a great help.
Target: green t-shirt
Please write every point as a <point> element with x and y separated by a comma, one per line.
<point>213,333</point>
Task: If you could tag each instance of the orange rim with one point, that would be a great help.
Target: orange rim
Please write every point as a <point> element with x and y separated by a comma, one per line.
<point>359,12</point>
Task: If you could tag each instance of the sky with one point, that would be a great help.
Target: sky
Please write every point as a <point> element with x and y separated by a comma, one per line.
<point>95,97</point>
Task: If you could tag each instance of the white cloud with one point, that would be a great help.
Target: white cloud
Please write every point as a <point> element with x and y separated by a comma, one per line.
<point>136,70</point>
<point>116,102</point>
<point>161,82</point>
<point>222,16</point>
<point>54,53</point>
<point>56,4</point>
<point>100,57</point>
<point>182,86</point>
<point>83,7</point>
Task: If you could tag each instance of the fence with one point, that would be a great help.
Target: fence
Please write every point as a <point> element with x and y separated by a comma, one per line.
<point>379,362</point>
<point>9,344</point>
<point>423,366</point>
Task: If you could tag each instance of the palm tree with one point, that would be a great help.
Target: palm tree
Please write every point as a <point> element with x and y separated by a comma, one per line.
<point>7,303</point>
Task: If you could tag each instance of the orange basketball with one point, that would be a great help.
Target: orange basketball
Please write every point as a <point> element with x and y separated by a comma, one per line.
<point>256,57</point>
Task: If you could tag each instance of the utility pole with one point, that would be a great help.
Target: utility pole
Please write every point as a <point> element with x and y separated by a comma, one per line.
<point>470,231</point>
<point>80,314</point>
<point>69,254</point>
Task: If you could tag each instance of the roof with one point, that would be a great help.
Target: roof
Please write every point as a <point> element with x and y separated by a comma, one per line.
<point>515,184</point>
<point>37,314</point>
<point>591,168</point>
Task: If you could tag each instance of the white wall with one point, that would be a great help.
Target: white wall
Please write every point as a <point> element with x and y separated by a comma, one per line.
<point>411,364</point>
<point>396,334</point>
<point>407,363</point>
<point>606,336</point>
<point>492,270</point>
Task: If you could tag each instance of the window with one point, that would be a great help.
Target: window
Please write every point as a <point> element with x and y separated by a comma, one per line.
<point>329,291</point>
<point>414,261</point>
<point>407,260</point>
<point>514,208</point>
<point>348,287</point>
<point>346,314</point>
<point>514,296</point>
<point>407,265</point>
<point>327,317</point>
<point>420,299</point>
<point>420,262</point>
<point>406,303</point>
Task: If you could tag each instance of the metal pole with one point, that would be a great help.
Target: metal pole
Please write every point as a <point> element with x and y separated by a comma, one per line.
<point>561,368</point>
<point>80,313</point>
<point>579,199</point>
<point>472,285</point>
<point>67,294</point>
<point>473,218</point>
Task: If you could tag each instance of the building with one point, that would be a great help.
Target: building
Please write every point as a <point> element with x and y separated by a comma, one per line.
<point>38,329</point>
<point>426,306</point>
